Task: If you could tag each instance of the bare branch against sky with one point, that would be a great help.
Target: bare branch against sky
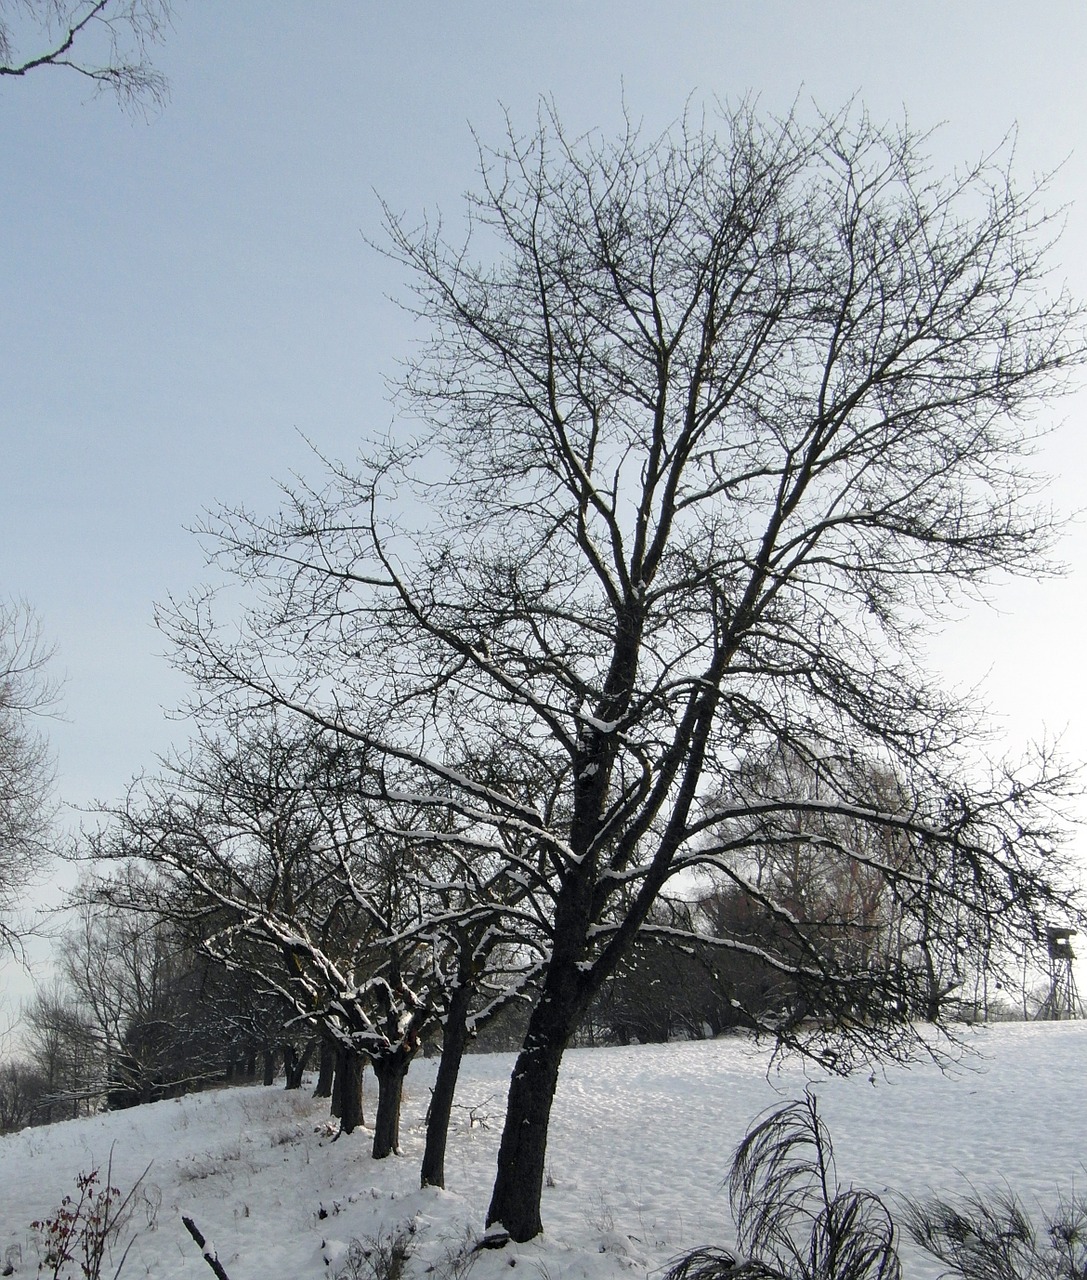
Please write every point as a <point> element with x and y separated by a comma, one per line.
<point>190,300</point>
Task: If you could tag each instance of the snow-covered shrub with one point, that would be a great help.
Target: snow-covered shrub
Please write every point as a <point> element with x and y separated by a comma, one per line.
<point>794,1221</point>
<point>380,1257</point>
<point>990,1236</point>
<point>82,1232</point>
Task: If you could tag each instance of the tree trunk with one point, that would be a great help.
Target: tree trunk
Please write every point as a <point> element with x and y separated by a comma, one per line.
<point>937,990</point>
<point>454,1039</point>
<point>518,1186</point>
<point>390,1071</point>
<point>347,1091</point>
<point>326,1069</point>
<point>269,1077</point>
<point>295,1063</point>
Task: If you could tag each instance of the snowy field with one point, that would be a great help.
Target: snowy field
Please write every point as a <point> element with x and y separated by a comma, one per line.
<point>640,1141</point>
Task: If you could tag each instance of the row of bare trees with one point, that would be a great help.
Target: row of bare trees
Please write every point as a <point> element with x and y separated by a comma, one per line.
<point>368,929</point>
<point>266,885</point>
<point>135,1012</point>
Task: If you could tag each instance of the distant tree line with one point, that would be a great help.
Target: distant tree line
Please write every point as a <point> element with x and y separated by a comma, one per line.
<point>225,961</point>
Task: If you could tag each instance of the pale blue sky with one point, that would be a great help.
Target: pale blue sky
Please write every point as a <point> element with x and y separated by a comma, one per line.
<point>182,297</point>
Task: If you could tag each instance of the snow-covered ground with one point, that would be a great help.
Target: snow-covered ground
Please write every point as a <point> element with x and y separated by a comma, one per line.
<point>640,1141</point>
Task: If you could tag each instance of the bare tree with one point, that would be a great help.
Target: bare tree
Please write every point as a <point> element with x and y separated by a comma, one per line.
<point>65,1052</point>
<point>26,769</point>
<point>265,836</point>
<point>333,892</point>
<point>139,988</point>
<point>22,1091</point>
<point>856,887</point>
<point>709,427</point>
<point>105,41</point>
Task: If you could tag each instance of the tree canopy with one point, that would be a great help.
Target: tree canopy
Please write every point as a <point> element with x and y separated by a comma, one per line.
<point>707,428</point>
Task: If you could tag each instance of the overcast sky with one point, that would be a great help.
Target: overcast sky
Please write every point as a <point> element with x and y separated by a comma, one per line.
<point>186,300</point>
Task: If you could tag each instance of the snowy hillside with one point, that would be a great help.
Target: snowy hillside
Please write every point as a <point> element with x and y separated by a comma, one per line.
<point>640,1141</point>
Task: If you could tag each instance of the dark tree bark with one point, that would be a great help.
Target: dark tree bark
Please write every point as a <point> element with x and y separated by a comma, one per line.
<point>326,1069</point>
<point>347,1091</point>
<point>295,1063</point>
<point>518,1186</point>
<point>454,1041</point>
<point>390,1070</point>
<point>522,1155</point>
<point>269,1076</point>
